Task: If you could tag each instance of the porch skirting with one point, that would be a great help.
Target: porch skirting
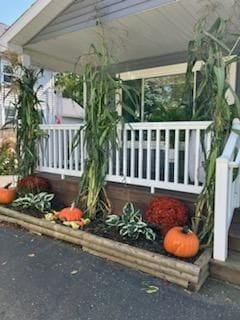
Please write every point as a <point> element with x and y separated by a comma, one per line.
<point>66,190</point>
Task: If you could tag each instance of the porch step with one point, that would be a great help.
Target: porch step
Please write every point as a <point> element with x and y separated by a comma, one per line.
<point>234,232</point>
<point>228,270</point>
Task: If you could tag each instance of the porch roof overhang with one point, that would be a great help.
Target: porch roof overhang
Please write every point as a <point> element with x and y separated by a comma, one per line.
<point>57,33</point>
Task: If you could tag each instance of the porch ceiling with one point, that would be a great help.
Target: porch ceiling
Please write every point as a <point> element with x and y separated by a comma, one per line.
<point>154,32</point>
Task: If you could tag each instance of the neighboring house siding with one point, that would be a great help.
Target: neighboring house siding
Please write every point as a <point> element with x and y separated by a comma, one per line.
<point>85,13</point>
<point>46,95</point>
<point>52,105</point>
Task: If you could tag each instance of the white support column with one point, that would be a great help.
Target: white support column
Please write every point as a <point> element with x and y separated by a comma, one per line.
<point>25,60</point>
<point>220,244</point>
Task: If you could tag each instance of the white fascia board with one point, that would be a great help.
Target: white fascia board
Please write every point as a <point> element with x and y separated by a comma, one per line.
<point>24,19</point>
<point>29,16</point>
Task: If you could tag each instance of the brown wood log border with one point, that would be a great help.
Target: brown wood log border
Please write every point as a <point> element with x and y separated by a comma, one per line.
<point>187,275</point>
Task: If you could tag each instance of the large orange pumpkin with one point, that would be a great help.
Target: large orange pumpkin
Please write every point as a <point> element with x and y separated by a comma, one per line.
<point>7,195</point>
<point>70,214</point>
<point>181,242</point>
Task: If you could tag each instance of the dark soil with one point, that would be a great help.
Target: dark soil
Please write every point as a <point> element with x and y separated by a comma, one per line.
<point>99,228</point>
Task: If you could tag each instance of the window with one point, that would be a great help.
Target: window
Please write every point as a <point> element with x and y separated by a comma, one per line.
<point>10,115</point>
<point>7,74</point>
<point>157,93</point>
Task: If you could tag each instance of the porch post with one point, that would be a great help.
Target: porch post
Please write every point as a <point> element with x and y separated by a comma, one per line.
<point>25,60</point>
<point>220,244</point>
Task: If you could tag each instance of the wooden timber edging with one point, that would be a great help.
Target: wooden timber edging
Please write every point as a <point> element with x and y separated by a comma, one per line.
<point>188,275</point>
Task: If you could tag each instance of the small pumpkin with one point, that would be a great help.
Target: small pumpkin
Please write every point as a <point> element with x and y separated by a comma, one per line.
<point>181,242</point>
<point>70,214</point>
<point>77,224</point>
<point>7,195</point>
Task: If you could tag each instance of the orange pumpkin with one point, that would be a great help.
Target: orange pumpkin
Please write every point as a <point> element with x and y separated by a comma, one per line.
<point>70,214</point>
<point>7,195</point>
<point>181,242</point>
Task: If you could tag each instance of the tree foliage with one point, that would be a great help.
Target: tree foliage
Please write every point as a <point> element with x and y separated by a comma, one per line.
<point>71,85</point>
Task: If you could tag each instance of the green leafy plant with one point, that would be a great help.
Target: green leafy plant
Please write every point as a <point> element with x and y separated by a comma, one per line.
<point>40,201</point>
<point>131,224</point>
<point>28,118</point>
<point>100,130</point>
<point>210,47</point>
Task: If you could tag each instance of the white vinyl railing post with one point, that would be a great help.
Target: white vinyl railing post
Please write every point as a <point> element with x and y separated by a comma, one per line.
<point>220,246</point>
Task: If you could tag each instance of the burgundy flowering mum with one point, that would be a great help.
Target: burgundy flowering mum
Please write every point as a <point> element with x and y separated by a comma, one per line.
<point>33,184</point>
<point>165,213</point>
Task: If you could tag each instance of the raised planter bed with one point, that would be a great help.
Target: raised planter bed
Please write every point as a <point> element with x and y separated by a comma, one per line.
<point>185,274</point>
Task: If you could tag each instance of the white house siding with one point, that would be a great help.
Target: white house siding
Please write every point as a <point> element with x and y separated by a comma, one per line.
<point>46,95</point>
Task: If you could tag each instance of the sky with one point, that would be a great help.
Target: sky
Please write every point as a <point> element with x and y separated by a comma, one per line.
<point>10,10</point>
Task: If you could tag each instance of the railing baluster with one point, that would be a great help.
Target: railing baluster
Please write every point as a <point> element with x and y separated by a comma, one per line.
<point>40,146</point>
<point>186,157</point>
<point>110,161</point>
<point>70,150</point>
<point>54,149</point>
<point>60,155</point>
<point>148,154</point>
<point>45,150</point>
<point>65,148</point>
<point>196,170</point>
<point>49,162</point>
<point>76,154</point>
<point>157,157</point>
<point>125,152</point>
<point>176,155</point>
<point>140,154</point>
<point>132,154</point>
<point>166,162</point>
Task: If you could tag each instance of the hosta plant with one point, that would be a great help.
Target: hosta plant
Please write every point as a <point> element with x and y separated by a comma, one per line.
<point>130,224</point>
<point>40,201</point>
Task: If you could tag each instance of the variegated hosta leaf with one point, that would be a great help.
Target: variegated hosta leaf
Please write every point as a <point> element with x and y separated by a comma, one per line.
<point>112,220</point>
<point>40,201</point>
<point>131,224</point>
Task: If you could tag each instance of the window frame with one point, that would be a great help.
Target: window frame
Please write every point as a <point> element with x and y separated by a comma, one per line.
<point>6,74</point>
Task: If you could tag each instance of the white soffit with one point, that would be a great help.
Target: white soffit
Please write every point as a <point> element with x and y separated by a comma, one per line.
<point>160,31</point>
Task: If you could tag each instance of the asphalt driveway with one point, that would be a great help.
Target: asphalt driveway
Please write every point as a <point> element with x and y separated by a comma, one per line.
<point>44,279</point>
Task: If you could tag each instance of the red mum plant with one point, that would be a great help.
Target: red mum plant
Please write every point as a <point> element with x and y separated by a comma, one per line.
<point>33,184</point>
<point>165,213</point>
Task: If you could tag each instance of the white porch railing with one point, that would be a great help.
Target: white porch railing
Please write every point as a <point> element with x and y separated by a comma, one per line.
<point>227,192</point>
<point>55,151</point>
<point>158,155</point>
